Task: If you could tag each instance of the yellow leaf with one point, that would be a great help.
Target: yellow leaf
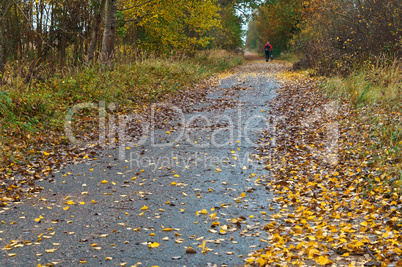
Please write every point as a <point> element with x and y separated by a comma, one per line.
<point>104,182</point>
<point>70,202</point>
<point>261,262</point>
<point>398,251</point>
<point>243,194</point>
<point>66,208</point>
<point>323,260</point>
<point>313,252</point>
<point>204,211</point>
<point>144,208</point>
<point>153,245</point>
<point>359,244</point>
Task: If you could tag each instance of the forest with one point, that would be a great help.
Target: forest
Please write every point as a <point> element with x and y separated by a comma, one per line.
<point>53,34</point>
<point>331,36</point>
<point>154,133</point>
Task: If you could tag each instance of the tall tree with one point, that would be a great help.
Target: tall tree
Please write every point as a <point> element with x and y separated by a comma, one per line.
<point>109,31</point>
<point>229,35</point>
<point>4,16</point>
<point>98,7</point>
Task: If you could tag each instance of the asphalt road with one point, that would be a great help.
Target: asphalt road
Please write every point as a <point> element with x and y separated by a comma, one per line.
<point>194,183</point>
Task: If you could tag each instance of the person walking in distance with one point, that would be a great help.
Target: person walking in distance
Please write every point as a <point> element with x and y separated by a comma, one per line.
<point>268,51</point>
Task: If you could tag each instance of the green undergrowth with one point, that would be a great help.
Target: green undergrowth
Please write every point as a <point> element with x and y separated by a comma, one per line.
<point>29,109</point>
<point>375,96</point>
<point>289,56</point>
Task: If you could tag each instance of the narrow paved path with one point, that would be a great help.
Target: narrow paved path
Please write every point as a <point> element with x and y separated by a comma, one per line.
<point>151,203</point>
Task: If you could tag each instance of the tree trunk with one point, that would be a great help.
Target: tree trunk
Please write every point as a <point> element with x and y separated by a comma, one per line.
<point>62,49</point>
<point>4,7</point>
<point>3,47</point>
<point>39,17</point>
<point>109,32</point>
<point>95,31</point>
<point>18,35</point>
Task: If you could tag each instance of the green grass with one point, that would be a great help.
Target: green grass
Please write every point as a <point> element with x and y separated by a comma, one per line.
<point>372,84</point>
<point>375,93</point>
<point>289,56</point>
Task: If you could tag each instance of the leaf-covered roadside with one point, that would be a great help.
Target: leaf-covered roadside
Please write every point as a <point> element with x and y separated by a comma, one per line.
<point>339,204</point>
<point>32,135</point>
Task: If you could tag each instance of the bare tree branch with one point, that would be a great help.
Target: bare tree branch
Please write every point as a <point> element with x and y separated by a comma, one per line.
<point>6,9</point>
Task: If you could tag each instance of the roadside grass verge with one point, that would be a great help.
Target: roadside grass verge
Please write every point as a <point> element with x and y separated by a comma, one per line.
<point>375,96</point>
<point>32,114</point>
<point>289,56</point>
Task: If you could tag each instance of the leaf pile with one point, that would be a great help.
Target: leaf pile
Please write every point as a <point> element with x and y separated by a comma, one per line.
<point>331,211</point>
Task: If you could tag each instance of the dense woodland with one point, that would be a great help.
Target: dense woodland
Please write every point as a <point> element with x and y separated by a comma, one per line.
<point>331,36</point>
<point>52,34</point>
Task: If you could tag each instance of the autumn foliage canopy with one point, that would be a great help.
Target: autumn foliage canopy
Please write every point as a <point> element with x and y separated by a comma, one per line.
<point>331,35</point>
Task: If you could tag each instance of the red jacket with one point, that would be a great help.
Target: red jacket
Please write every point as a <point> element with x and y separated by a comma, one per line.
<point>270,47</point>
